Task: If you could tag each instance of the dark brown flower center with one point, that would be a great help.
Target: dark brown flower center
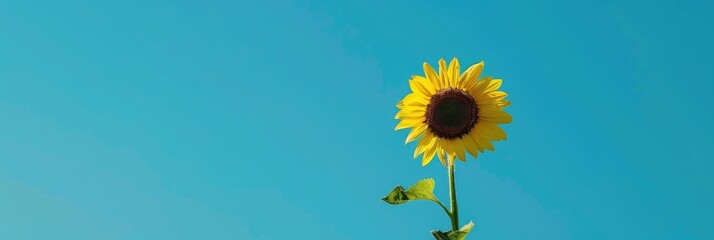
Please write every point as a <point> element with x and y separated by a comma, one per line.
<point>451,113</point>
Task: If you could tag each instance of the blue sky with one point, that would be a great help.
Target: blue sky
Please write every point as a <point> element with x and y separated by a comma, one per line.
<point>274,119</point>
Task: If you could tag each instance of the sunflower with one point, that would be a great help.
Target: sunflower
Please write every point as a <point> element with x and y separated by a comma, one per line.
<point>452,113</point>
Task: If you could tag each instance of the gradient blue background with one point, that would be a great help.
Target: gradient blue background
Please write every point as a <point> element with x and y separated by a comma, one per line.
<point>274,119</point>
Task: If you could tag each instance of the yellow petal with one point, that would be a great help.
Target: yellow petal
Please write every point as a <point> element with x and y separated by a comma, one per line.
<point>491,96</point>
<point>470,77</point>
<point>494,115</point>
<point>415,133</point>
<point>425,143</point>
<point>445,82</point>
<point>422,145</point>
<point>491,131</point>
<point>419,87</point>
<point>408,123</point>
<point>413,107</point>
<point>459,149</point>
<point>416,118</point>
<point>480,85</point>
<point>428,155</point>
<point>417,121</point>
<point>476,139</point>
<point>483,140</point>
<point>414,104</point>
<point>447,145</point>
<point>493,85</point>
<point>416,97</point>
<point>470,145</point>
<point>493,100</point>
<point>425,85</point>
<point>485,131</point>
<point>431,76</point>
<point>499,132</point>
<point>453,73</point>
<point>408,109</point>
<point>410,113</point>
<point>442,157</point>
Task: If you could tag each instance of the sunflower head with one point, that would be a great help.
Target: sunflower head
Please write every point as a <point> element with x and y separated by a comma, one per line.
<point>452,113</point>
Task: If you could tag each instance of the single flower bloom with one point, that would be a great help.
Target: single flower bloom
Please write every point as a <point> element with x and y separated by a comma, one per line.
<point>453,112</point>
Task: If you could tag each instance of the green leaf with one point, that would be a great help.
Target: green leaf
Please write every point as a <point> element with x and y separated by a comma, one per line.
<point>461,234</point>
<point>422,190</point>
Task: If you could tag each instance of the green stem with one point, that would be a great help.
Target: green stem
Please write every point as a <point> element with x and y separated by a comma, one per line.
<point>452,196</point>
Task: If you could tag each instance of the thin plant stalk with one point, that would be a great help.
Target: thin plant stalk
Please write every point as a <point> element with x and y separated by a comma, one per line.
<point>452,197</point>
